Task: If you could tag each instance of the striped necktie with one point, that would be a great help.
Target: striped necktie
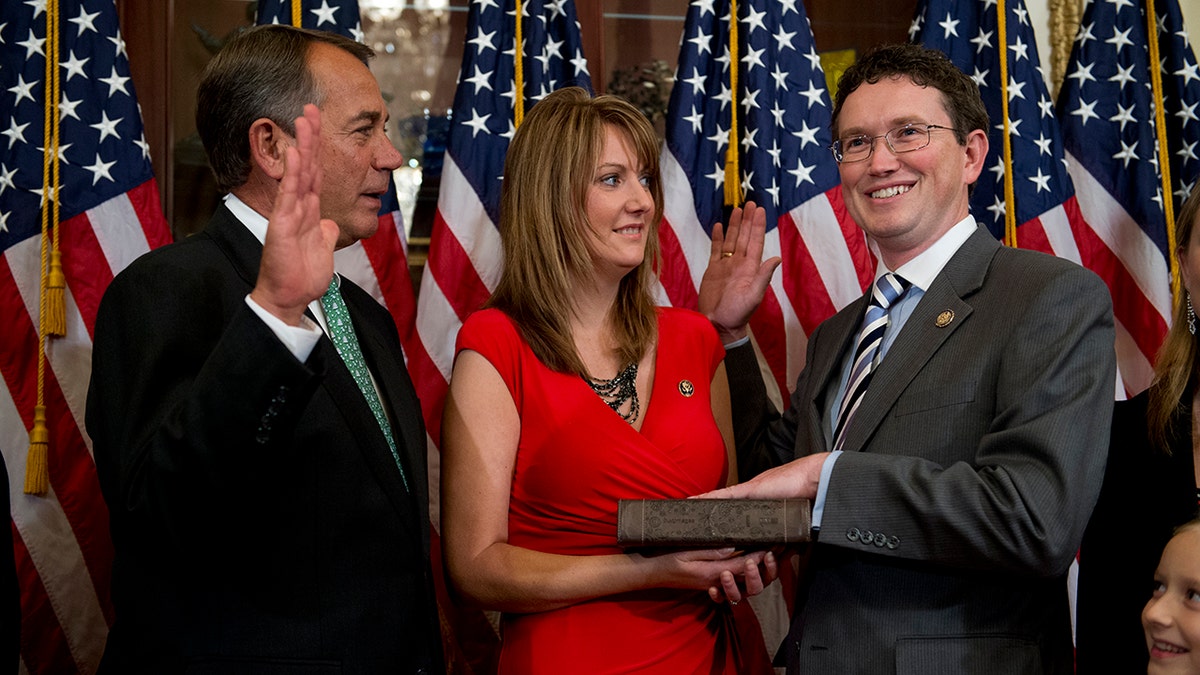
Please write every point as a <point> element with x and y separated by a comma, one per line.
<point>341,332</point>
<point>886,291</point>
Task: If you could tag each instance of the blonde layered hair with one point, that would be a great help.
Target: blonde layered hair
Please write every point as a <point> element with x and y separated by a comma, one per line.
<point>550,166</point>
<point>1176,364</point>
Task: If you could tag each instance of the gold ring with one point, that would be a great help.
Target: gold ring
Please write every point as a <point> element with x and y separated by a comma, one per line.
<point>726,254</point>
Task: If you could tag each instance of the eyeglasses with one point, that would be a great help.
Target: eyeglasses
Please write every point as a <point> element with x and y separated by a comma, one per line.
<point>907,138</point>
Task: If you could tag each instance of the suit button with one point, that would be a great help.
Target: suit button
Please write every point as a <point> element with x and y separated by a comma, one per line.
<point>880,539</point>
<point>893,543</point>
<point>866,537</point>
<point>853,534</point>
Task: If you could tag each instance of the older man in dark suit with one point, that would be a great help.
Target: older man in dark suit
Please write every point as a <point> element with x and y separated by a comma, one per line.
<point>257,437</point>
<point>951,425</point>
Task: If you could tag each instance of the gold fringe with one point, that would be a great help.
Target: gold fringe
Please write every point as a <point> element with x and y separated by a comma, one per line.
<point>1065,16</point>
<point>56,293</point>
<point>37,463</point>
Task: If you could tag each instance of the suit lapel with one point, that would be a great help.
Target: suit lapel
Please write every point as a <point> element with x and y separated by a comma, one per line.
<point>922,336</point>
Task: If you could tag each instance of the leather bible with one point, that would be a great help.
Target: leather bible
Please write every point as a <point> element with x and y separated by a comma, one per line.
<point>713,523</point>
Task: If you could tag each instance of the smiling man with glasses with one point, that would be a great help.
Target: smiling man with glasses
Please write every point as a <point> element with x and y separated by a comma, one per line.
<point>950,426</point>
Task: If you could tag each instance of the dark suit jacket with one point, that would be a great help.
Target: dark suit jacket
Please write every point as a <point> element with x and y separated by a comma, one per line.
<point>10,595</point>
<point>259,519</point>
<point>1146,495</point>
<point>970,469</point>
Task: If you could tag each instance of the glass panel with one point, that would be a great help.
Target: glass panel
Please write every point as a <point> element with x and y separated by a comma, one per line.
<point>419,48</point>
<point>641,46</point>
<point>199,31</point>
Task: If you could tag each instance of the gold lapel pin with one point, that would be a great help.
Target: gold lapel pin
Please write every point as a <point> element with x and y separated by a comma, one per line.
<point>944,318</point>
<point>686,388</point>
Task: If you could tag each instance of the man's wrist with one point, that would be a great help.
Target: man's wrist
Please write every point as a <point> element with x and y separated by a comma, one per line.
<point>292,316</point>
<point>732,337</point>
<point>745,339</point>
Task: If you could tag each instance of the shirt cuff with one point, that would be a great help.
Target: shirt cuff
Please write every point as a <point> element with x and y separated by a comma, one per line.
<point>822,488</point>
<point>299,340</point>
<point>737,343</point>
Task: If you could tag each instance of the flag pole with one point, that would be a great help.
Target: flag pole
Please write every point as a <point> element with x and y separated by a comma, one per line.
<point>1160,127</point>
<point>1010,201</point>
<point>518,70</point>
<point>733,173</point>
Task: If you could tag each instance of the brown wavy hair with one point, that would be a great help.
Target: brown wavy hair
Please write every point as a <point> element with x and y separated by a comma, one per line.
<point>543,226</point>
<point>1176,365</point>
<point>926,68</point>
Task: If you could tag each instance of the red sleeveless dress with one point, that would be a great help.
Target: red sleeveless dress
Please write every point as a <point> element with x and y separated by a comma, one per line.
<point>575,459</point>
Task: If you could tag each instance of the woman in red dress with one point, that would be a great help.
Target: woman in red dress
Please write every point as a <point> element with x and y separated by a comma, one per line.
<point>571,391</point>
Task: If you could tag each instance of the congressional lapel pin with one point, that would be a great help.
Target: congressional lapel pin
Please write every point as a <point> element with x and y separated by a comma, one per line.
<point>686,388</point>
<point>944,318</point>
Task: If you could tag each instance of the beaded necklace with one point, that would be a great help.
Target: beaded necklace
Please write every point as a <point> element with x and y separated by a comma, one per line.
<point>619,391</point>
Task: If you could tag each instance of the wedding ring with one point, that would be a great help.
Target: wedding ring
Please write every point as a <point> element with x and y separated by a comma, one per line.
<point>733,602</point>
<point>726,254</point>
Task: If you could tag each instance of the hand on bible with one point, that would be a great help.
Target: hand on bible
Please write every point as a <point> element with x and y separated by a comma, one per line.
<point>797,479</point>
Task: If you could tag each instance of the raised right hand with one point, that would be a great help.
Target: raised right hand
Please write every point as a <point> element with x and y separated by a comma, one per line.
<point>736,278</point>
<point>297,257</point>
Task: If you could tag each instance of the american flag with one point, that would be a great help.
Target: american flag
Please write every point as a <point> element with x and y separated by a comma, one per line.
<point>338,16</point>
<point>109,215</point>
<point>784,115</point>
<point>1043,198</point>
<point>464,250</point>
<point>1106,108</point>
<point>1042,203</point>
<point>378,264</point>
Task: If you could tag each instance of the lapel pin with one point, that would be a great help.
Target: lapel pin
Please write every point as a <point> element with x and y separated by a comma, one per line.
<point>686,388</point>
<point>944,318</point>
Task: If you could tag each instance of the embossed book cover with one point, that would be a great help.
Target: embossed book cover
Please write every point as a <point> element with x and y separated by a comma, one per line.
<point>705,523</point>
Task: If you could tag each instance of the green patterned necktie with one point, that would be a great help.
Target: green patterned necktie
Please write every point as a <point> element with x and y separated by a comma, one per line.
<point>341,331</point>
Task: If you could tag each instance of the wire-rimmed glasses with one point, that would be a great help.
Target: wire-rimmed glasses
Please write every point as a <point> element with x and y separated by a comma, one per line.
<point>907,138</point>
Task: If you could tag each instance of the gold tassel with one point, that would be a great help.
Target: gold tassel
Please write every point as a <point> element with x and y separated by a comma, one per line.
<point>733,179</point>
<point>56,292</point>
<point>37,463</point>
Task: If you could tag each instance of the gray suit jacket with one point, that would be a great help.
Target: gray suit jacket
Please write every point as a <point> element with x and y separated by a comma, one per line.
<point>970,470</point>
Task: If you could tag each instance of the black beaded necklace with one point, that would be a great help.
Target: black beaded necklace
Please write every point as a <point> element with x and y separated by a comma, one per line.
<point>619,391</point>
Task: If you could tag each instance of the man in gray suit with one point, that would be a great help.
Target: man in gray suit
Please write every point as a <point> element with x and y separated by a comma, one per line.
<point>954,447</point>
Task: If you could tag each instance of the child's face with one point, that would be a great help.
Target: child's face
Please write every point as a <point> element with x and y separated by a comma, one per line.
<point>1172,617</point>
